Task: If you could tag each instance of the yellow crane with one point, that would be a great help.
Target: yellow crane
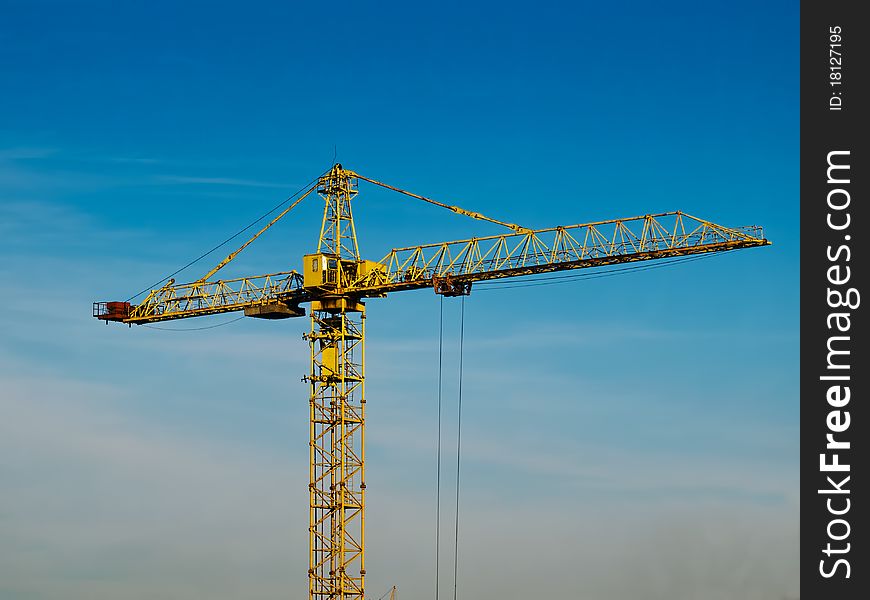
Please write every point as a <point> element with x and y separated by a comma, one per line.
<point>335,281</point>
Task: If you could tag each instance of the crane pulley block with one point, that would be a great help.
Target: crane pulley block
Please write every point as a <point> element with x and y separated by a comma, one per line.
<point>447,286</point>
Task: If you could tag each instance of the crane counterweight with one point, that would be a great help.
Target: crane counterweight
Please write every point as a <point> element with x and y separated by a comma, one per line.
<point>112,311</point>
<point>274,310</point>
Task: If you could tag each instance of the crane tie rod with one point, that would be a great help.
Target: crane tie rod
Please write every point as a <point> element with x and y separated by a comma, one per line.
<point>232,255</point>
<point>307,189</point>
<point>456,209</point>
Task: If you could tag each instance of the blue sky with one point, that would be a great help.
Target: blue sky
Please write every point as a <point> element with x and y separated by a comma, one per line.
<point>643,428</point>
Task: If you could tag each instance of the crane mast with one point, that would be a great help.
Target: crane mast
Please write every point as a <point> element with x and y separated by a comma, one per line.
<point>337,404</point>
<point>335,281</point>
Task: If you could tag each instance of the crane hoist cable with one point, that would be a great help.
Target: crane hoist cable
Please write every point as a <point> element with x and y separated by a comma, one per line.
<point>438,476</point>
<point>456,209</point>
<point>306,189</point>
<point>458,450</point>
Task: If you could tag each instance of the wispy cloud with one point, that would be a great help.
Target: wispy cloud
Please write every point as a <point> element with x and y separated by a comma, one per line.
<point>230,181</point>
<point>25,153</point>
<point>132,160</point>
<point>34,169</point>
<point>96,499</point>
<point>37,174</point>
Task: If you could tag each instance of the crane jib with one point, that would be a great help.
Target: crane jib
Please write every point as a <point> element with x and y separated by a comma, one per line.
<point>449,268</point>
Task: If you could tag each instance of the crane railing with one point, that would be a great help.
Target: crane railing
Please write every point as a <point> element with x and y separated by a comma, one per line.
<point>591,244</point>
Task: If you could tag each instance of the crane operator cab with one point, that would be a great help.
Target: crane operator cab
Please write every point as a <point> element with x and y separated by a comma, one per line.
<point>321,271</point>
<point>328,272</point>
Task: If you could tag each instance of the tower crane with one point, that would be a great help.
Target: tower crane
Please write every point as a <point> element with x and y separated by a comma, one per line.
<point>335,282</point>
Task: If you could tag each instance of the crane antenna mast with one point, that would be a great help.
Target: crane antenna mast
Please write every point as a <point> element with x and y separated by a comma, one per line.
<point>338,234</point>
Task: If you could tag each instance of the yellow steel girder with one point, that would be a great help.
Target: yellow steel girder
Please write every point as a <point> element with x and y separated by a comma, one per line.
<point>649,237</point>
